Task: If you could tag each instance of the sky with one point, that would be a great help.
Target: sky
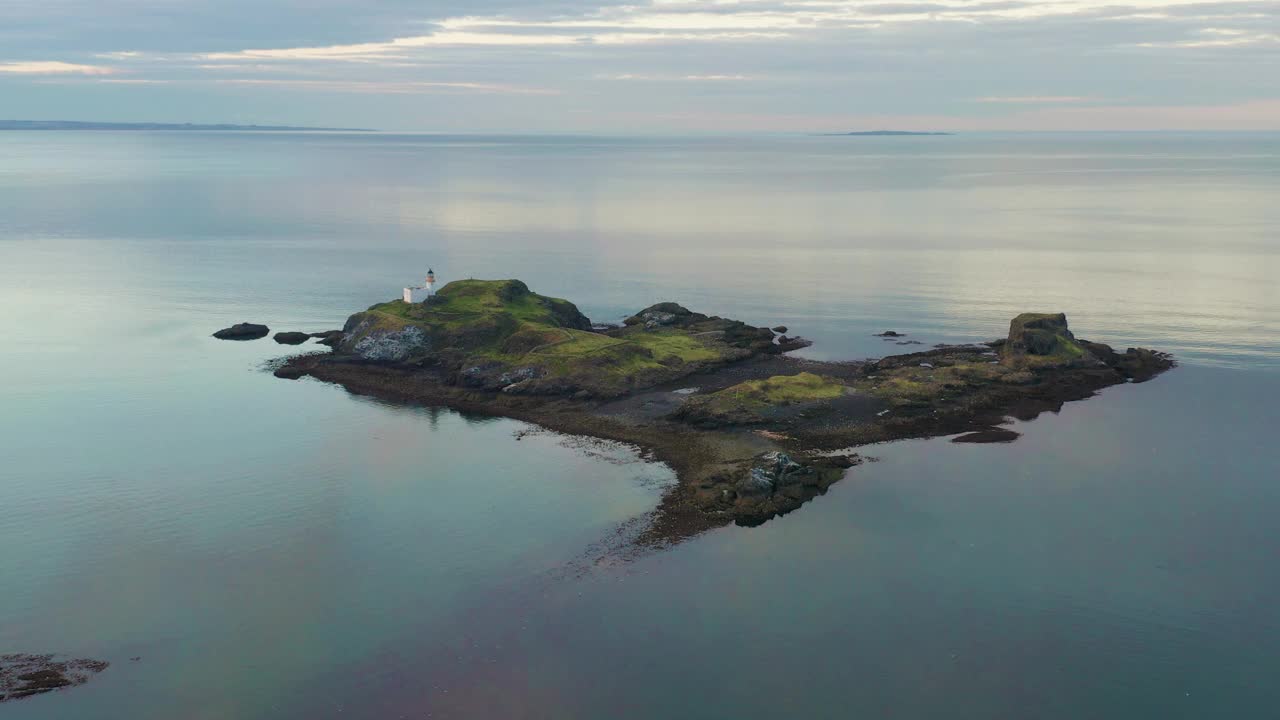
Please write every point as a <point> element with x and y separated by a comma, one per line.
<point>666,66</point>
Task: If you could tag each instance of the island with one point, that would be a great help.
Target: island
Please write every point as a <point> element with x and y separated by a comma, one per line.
<point>887,133</point>
<point>215,127</point>
<point>750,431</point>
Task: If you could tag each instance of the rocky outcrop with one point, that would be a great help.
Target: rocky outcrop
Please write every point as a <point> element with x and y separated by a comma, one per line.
<point>23,675</point>
<point>775,483</point>
<point>659,315</point>
<point>1043,339</point>
<point>291,338</point>
<point>243,331</point>
<point>671,315</point>
<point>391,345</point>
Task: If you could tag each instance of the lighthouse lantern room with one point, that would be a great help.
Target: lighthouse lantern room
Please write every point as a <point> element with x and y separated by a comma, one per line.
<point>423,293</point>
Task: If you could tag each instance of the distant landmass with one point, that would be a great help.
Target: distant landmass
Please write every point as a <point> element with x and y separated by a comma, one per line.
<point>881,133</point>
<point>76,125</point>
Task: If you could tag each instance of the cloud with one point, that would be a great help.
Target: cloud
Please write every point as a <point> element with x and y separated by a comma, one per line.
<point>578,64</point>
<point>52,67</point>
<point>1219,38</point>
<point>383,88</point>
<point>676,78</point>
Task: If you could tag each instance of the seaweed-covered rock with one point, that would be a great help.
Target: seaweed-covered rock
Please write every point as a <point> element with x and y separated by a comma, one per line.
<point>330,337</point>
<point>243,331</point>
<point>289,372</point>
<point>23,675</point>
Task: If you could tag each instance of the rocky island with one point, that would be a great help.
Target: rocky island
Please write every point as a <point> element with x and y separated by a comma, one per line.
<point>750,432</point>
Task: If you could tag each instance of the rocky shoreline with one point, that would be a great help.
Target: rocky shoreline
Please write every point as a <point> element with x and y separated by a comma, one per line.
<point>750,432</point>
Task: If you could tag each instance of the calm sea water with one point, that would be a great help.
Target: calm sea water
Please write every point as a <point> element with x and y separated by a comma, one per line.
<point>284,550</point>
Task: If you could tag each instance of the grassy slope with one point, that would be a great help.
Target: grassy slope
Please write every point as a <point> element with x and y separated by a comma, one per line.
<point>525,330</point>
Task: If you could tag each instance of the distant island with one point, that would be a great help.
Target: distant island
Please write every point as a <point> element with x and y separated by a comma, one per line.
<point>77,125</point>
<point>884,133</point>
<point>750,432</point>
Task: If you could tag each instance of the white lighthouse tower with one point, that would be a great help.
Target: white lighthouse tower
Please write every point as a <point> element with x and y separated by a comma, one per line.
<point>421,294</point>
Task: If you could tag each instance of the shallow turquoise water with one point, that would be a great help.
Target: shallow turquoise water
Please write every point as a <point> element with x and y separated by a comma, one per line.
<point>282,550</point>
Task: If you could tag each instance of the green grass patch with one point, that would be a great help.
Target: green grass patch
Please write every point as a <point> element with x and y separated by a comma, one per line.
<point>915,385</point>
<point>664,344</point>
<point>779,390</point>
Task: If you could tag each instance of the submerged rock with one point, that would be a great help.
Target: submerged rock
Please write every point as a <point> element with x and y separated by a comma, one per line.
<point>243,331</point>
<point>990,435</point>
<point>289,372</point>
<point>291,338</point>
<point>23,675</point>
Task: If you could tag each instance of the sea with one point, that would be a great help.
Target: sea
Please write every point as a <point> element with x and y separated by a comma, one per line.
<point>243,547</point>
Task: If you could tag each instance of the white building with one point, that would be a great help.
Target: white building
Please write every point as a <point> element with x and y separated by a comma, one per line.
<point>420,294</point>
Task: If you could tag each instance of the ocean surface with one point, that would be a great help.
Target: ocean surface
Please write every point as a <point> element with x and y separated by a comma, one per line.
<point>273,549</point>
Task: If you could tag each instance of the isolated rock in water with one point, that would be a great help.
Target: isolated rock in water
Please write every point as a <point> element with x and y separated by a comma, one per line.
<point>780,329</point>
<point>1043,339</point>
<point>890,334</point>
<point>243,331</point>
<point>23,675</point>
<point>291,338</point>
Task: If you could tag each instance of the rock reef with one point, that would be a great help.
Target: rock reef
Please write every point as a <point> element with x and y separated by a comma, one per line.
<point>751,432</point>
<point>23,675</point>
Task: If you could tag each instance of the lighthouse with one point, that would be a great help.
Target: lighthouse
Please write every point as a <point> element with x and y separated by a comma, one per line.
<point>423,293</point>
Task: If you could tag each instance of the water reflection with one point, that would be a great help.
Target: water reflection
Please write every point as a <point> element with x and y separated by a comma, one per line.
<point>277,550</point>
